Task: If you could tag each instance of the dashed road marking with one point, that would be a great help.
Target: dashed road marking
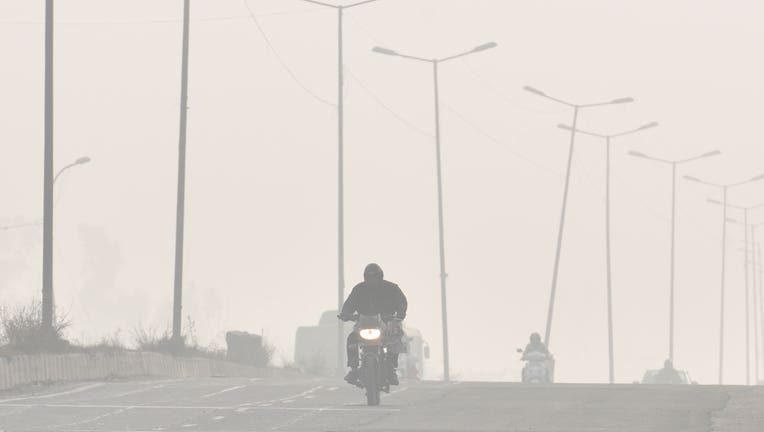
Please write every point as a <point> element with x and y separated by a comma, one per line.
<point>52,395</point>
<point>229,389</point>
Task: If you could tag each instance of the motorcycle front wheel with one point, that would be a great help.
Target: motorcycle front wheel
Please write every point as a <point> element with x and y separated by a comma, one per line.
<point>371,380</point>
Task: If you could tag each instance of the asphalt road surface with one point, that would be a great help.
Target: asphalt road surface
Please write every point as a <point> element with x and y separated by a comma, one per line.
<point>308,404</point>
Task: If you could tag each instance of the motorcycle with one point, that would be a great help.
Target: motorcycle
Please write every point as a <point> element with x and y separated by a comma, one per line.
<point>378,336</point>
<point>538,367</point>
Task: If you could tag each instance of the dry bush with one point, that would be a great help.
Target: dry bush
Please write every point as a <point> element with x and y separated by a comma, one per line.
<point>22,332</point>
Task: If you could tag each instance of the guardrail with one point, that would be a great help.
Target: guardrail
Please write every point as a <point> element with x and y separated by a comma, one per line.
<point>28,369</point>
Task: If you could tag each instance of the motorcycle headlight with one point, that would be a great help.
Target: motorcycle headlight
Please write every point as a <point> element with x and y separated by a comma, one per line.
<point>370,334</point>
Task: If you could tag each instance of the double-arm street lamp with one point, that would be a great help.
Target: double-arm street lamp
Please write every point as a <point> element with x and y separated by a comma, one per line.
<point>340,168</point>
<point>725,190</point>
<point>435,62</point>
<point>745,225</point>
<point>608,272</point>
<point>675,163</point>
<point>555,272</point>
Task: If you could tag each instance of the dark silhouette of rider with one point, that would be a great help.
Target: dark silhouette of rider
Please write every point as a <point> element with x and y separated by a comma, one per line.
<point>668,375</point>
<point>535,345</point>
<point>373,296</point>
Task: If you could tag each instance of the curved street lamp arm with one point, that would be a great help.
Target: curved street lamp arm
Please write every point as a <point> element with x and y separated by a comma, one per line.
<point>358,4</point>
<point>321,3</point>
<point>582,132</point>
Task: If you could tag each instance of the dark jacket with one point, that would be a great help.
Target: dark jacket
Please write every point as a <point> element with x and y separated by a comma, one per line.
<point>376,296</point>
<point>540,348</point>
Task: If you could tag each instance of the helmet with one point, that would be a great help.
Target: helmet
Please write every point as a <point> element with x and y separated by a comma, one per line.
<point>373,271</point>
<point>535,338</point>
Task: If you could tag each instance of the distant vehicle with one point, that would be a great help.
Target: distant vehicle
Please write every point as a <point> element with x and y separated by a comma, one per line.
<point>316,348</point>
<point>651,375</point>
<point>539,367</point>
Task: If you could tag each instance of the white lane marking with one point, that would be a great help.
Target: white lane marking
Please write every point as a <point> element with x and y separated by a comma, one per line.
<point>284,399</point>
<point>190,425</point>
<point>255,379</point>
<point>400,390</point>
<point>218,418</point>
<point>310,397</point>
<point>136,391</point>
<point>229,389</point>
<point>52,395</point>
<point>333,388</point>
<point>183,407</point>
<point>96,418</point>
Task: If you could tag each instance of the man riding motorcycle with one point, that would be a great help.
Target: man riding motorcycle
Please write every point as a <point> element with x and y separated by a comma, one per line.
<point>535,345</point>
<point>668,375</point>
<point>373,296</point>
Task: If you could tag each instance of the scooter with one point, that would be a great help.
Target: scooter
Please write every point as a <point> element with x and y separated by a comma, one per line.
<point>538,367</point>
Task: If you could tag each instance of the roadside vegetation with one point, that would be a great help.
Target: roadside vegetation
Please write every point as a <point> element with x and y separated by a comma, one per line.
<point>22,333</point>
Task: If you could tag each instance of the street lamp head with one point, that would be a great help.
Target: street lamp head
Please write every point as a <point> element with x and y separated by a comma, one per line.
<point>565,127</point>
<point>694,179</point>
<point>622,100</point>
<point>485,46</point>
<point>82,160</point>
<point>713,201</point>
<point>757,178</point>
<point>711,153</point>
<point>534,91</point>
<point>638,154</point>
<point>385,51</point>
<point>649,126</point>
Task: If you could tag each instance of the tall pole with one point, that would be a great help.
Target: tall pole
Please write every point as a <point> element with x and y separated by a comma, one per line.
<point>561,231</point>
<point>341,186</point>
<point>747,306</point>
<point>47,260</point>
<point>752,257</point>
<point>721,313</point>
<point>609,268</point>
<point>673,261</point>
<point>180,216</point>
<point>760,268</point>
<point>442,247</point>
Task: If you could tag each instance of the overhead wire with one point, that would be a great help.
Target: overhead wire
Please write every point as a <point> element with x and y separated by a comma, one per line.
<point>281,60</point>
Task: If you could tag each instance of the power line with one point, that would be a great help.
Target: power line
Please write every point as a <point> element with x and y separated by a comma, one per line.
<point>168,21</point>
<point>281,60</point>
<point>495,140</point>
<point>392,112</point>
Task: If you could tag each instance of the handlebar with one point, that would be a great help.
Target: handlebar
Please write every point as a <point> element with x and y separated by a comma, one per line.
<point>355,317</point>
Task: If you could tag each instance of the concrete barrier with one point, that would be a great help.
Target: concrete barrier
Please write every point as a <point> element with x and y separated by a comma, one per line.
<point>29,369</point>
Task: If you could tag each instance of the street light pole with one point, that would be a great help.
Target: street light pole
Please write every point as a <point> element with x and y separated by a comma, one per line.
<point>760,268</point>
<point>561,230</point>
<point>754,275</point>
<point>672,283</point>
<point>47,257</point>
<point>747,254</point>
<point>725,189</point>
<point>180,211</point>
<point>441,234</point>
<point>340,169</point>
<point>608,249</point>
<point>724,262</point>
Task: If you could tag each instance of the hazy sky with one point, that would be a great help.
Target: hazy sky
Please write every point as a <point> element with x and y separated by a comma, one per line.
<point>261,204</point>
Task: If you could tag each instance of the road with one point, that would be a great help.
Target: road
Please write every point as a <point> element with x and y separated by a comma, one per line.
<point>310,404</point>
